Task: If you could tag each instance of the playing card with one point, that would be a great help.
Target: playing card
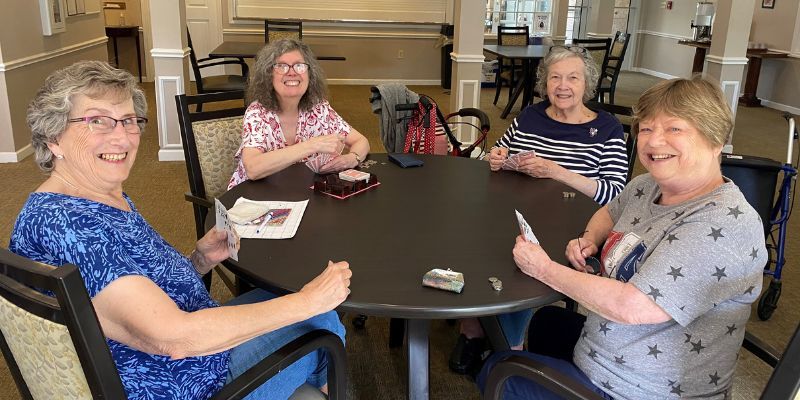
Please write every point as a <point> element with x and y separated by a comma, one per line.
<point>353,175</point>
<point>223,223</point>
<point>525,229</point>
<point>510,164</point>
<point>312,165</point>
<point>513,162</point>
<point>524,155</point>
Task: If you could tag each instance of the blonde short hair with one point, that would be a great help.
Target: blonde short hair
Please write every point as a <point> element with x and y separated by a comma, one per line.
<point>696,100</point>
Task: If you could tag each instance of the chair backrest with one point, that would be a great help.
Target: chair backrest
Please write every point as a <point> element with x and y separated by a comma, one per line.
<point>784,383</point>
<point>512,35</point>
<point>210,140</point>
<point>53,346</point>
<point>616,55</point>
<point>598,49</point>
<point>624,115</point>
<point>198,77</point>
<point>282,29</point>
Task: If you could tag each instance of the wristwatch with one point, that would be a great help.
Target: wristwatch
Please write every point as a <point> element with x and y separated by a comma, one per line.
<point>358,158</point>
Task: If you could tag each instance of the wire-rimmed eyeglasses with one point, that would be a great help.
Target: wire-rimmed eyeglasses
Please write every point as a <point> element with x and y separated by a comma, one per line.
<point>283,68</point>
<point>574,49</point>
<point>105,124</point>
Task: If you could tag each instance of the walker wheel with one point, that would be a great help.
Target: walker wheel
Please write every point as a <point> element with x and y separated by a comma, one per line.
<point>769,300</point>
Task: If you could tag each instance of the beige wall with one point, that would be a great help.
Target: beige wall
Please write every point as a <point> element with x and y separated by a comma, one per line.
<point>28,57</point>
<point>657,48</point>
<point>372,50</point>
<point>774,26</point>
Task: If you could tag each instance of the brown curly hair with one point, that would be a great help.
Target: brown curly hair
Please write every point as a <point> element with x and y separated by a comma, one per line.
<point>260,89</point>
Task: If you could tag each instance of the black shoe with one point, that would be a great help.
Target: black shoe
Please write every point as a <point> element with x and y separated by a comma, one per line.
<point>467,356</point>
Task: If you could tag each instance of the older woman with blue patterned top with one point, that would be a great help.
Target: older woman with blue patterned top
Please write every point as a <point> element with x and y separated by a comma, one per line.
<point>574,145</point>
<point>168,338</point>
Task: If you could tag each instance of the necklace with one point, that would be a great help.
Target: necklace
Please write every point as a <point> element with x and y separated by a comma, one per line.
<point>584,117</point>
<point>115,202</point>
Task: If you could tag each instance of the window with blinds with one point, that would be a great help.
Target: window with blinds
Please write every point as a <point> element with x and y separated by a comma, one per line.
<point>414,11</point>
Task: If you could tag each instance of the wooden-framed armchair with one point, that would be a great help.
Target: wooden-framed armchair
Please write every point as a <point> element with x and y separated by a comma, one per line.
<point>55,348</point>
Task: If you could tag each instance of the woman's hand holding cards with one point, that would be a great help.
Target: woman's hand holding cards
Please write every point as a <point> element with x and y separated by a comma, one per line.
<point>340,163</point>
<point>330,144</point>
<point>577,251</point>
<point>497,156</point>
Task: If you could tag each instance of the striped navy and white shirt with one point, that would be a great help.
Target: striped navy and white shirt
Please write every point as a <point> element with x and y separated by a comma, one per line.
<point>595,149</point>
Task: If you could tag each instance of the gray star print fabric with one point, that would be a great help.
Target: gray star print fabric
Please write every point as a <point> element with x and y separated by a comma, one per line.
<point>702,262</point>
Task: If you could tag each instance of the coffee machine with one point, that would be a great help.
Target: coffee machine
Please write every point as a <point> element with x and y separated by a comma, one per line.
<point>701,24</point>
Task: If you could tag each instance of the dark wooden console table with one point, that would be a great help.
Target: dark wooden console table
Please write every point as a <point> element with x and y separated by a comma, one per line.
<point>754,56</point>
<point>115,32</point>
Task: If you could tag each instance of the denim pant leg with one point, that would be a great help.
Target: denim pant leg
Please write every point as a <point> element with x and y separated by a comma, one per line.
<point>311,369</point>
<point>519,388</point>
<point>514,325</point>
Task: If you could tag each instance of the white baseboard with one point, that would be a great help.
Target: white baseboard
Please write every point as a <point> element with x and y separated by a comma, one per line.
<point>654,73</point>
<point>373,82</point>
<point>170,155</point>
<point>780,107</point>
<point>16,156</point>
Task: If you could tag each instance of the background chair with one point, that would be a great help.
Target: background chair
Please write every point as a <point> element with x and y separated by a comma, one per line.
<point>783,384</point>
<point>55,348</point>
<point>217,83</point>
<point>624,115</point>
<point>608,83</point>
<point>507,70</point>
<point>210,140</point>
<point>282,29</point>
<point>598,49</point>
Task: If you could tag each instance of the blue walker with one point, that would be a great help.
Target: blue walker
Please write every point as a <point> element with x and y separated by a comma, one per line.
<point>757,178</point>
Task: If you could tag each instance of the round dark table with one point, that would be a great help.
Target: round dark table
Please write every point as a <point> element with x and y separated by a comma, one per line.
<point>450,213</point>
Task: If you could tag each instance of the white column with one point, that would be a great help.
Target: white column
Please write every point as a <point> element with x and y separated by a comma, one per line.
<point>728,53</point>
<point>170,71</point>
<point>467,58</point>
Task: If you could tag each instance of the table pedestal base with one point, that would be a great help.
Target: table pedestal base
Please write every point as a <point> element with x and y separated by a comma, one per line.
<point>417,331</point>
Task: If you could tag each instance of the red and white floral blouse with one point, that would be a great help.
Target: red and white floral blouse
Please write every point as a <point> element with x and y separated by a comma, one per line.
<point>262,130</point>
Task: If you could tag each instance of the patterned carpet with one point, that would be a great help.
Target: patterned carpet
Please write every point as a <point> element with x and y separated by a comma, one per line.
<point>375,371</point>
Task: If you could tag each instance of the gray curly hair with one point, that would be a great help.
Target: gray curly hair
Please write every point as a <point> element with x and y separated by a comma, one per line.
<point>259,87</point>
<point>558,53</point>
<point>49,110</point>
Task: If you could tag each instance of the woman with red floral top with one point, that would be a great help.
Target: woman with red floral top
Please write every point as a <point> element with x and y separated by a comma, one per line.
<point>288,118</point>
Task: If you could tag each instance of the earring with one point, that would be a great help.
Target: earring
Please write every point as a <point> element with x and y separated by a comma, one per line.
<point>60,156</point>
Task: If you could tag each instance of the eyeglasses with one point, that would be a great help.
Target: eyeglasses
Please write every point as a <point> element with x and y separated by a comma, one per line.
<point>283,68</point>
<point>105,124</point>
<point>574,49</point>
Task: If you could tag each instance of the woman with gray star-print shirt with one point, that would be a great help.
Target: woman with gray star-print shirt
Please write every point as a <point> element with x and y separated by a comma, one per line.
<point>681,264</point>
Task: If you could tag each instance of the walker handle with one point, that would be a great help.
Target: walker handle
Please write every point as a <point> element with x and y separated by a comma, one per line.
<point>792,135</point>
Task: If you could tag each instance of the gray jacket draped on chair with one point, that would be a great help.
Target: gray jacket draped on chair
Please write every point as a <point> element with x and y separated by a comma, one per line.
<point>393,124</point>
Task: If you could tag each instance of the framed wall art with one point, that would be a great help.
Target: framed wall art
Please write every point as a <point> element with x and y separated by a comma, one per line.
<point>54,13</point>
<point>767,3</point>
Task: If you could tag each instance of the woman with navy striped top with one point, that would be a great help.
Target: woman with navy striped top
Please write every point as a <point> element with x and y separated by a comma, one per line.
<point>579,147</point>
<point>574,145</point>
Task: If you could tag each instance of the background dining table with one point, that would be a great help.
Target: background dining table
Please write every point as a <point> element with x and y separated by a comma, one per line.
<point>530,56</point>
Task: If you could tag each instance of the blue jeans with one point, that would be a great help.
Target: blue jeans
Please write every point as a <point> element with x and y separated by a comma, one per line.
<point>514,325</point>
<point>311,369</point>
<point>519,388</point>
